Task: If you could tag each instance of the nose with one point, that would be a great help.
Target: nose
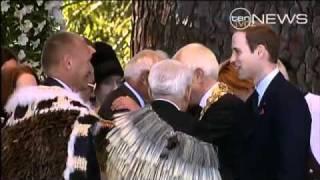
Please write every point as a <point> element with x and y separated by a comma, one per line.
<point>232,58</point>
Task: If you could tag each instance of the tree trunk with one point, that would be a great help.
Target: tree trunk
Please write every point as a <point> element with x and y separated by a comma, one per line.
<point>169,25</point>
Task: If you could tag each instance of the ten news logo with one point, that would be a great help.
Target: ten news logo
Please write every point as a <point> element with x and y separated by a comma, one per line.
<point>241,18</point>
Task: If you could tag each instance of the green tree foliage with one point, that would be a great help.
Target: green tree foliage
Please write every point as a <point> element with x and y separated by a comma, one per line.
<point>25,25</point>
<point>108,21</point>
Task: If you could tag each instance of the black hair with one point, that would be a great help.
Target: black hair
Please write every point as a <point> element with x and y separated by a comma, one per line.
<point>105,62</point>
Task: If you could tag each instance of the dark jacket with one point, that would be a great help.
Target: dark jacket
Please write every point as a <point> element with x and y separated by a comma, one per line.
<point>222,125</point>
<point>105,109</point>
<point>180,121</point>
<point>278,137</point>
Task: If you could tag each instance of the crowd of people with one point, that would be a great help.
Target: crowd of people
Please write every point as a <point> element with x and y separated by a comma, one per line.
<point>161,117</point>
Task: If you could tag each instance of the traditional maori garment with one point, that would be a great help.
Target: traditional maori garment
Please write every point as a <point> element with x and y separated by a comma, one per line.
<point>47,136</point>
<point>143,146</point>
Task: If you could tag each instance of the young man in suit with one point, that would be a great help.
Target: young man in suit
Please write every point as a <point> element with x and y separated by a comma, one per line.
<point>66,62</point>
<point>221,112</point>
<point>278,136</point>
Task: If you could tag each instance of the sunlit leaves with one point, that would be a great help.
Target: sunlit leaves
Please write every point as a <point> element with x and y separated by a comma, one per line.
<point>109,21</point>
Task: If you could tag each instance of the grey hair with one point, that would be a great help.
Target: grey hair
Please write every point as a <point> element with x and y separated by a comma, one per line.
<point>142,61</point>
<point>169,78</point>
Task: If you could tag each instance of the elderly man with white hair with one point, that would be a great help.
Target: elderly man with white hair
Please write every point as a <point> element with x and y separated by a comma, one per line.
<point>153,143</point>
<point>222,113</point>
<point>170,90</point>
<point>135,85</point>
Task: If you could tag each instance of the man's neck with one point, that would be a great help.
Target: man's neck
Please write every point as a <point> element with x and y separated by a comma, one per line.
<point>135,86</point>
<point>207,85</point>
<point>265,71</point>
<point>204,92</point>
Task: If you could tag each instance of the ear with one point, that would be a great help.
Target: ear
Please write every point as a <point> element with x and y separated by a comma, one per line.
<point>144,78</point>
<point>67,61</point>
<point>260,50</point>
<point>198,74</point>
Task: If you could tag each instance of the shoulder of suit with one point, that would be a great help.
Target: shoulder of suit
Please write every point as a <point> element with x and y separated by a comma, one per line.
<point>287,91</point>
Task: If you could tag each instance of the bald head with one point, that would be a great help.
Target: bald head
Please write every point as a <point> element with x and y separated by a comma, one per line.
<point>56,47</point>
<point>198,56</point>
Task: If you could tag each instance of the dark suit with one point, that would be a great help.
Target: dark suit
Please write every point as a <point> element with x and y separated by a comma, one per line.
<point>180,121</point>
<point>105,110</point>
<point>278,139</point>
<point>51,82</point>
<point>222,125</point>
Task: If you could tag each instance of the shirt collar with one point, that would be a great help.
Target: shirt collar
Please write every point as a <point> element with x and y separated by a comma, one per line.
<point>265,82</point>
<point>63,84</point>
<point>141,102</point>
<point>166,100</point>
<point>203,101</point>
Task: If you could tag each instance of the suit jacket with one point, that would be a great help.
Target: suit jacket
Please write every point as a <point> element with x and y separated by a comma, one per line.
<point>105,110</point>
<point>278,139</point>
<point>180,121</point>
<point>222,125</point>
<point>51,82</point>
<point>194,111</point>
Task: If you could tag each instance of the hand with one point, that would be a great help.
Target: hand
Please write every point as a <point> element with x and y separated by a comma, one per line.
<point>124,102</point>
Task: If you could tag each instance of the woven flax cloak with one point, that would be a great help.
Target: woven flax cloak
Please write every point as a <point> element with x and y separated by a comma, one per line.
<point>39,138</point>
<point>144,147</point>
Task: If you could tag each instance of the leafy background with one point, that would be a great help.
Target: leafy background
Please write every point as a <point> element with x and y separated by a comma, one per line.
<point>39,14</point>
<point>109,21</point>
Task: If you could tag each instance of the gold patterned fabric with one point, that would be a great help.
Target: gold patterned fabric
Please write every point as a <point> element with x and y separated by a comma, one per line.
<point>220,90</point>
